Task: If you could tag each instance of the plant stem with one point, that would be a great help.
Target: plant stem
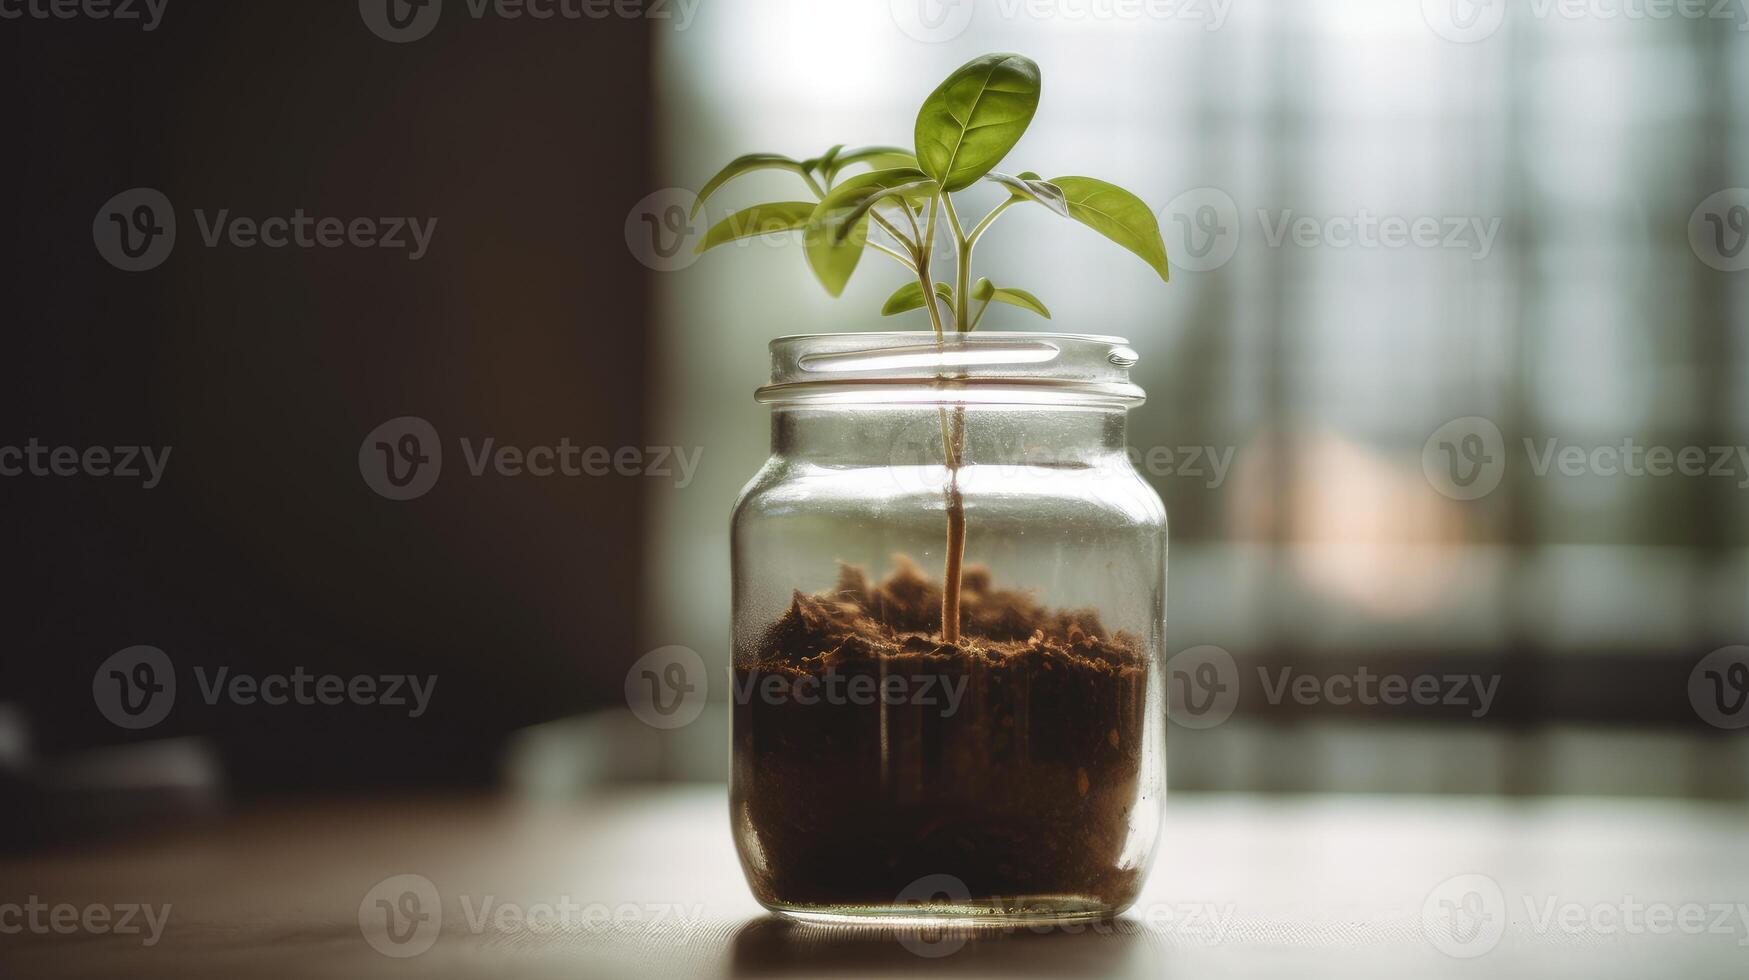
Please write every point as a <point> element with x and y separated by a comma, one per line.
<point>989,219</point>
<point>953,436</point>
<point>963,254</point>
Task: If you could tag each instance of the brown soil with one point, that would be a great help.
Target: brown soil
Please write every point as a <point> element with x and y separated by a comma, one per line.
<point>1021,786</point>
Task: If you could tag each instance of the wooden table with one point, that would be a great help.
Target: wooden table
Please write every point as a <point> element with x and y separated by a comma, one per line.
<point>1245,886</point>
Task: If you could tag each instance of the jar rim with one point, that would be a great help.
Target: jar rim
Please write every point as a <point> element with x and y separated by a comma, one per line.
<point>893,367</point>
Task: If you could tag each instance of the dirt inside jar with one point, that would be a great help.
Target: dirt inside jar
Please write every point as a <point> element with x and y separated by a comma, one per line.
<point>869,756</point>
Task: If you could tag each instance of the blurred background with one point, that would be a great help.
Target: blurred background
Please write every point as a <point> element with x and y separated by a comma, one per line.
<point>1408,240</point>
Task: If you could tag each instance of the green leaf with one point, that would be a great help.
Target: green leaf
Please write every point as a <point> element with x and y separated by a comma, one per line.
<point>1028,187</point>
<point>746,164</point>
<point>762,219</point>
<point>1118,215</point>
<point>824,160</point>
<point>971,121</point>
<point>834,258</point>
<point>877,157</point>
<point>986,291</point>
<point>849,203</point>
<point>910,297</point>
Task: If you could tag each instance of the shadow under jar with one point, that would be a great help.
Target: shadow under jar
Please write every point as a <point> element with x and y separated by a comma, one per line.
<point>882,767</point>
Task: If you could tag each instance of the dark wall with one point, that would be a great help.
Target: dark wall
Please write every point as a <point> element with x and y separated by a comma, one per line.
<point>264,548</point>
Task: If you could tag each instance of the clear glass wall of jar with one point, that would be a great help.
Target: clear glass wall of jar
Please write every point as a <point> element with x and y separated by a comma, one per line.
<point>880,770</point>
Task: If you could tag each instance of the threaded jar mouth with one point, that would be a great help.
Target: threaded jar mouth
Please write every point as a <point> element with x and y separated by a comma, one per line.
<point>912,367</point>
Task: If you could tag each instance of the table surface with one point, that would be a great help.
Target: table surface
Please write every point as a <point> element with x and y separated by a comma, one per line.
<point>644,882</point>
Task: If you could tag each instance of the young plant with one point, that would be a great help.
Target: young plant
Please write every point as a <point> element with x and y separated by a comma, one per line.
<point>964,129</point>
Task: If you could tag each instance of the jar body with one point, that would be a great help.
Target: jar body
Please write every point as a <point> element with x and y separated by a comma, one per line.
<point>879,770</point>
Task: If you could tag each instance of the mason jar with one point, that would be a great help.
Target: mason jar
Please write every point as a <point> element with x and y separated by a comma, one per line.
<point>995,752</point>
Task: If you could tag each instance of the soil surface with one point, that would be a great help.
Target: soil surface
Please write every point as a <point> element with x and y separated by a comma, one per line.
<point>869,755</point>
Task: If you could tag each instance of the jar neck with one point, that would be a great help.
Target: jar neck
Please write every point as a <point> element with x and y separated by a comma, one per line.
<point>913,434</point>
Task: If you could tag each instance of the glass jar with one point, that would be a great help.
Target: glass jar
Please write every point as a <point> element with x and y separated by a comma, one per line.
<point>883,766</point>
